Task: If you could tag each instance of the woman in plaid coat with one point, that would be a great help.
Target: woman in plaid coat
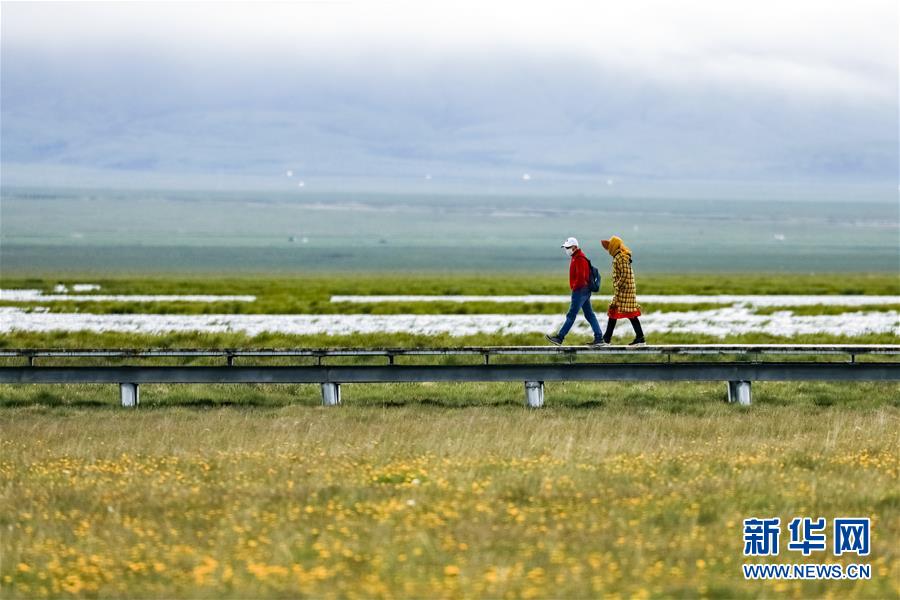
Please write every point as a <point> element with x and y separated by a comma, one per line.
<point>624,303</point>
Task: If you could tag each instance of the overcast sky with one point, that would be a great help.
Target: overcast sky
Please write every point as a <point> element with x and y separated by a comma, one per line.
<point>382,95</point>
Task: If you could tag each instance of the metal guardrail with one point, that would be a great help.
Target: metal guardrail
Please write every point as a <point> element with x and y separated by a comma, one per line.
<point>737,373</point>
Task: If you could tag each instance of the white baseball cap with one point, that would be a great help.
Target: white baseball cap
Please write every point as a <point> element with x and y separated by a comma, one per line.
<point>569,243</point>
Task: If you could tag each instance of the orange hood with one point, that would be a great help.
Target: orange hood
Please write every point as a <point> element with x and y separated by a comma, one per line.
<point>616,245</point>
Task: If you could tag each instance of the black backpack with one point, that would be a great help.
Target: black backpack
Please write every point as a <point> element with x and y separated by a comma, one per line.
<point>594,277</point>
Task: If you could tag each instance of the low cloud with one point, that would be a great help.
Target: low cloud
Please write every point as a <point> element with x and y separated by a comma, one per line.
<point>577,91</point>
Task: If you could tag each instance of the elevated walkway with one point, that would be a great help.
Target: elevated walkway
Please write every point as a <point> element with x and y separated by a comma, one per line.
<point>738,365</point>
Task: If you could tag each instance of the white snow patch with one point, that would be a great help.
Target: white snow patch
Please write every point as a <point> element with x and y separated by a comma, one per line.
<point>747,301</point>
<point>719,322</point>
<point>39,296</point>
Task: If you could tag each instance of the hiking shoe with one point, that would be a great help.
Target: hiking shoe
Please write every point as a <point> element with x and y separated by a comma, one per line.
<point>554,339</point>
<point>599,343</point>
<point>638,342</point>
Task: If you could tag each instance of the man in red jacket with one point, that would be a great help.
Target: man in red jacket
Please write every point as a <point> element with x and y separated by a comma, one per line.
<point>579,282</point>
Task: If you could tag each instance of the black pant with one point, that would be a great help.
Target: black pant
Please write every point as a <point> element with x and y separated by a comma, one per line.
<point>611,325</point>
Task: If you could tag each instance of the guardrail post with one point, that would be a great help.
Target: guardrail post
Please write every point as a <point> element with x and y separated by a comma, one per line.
<point>534,394</point>
<point>739,391</point>
<point>130,394</point>
<point>331,394</point>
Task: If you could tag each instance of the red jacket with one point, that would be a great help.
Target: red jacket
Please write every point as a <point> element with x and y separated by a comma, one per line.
<point>579,271</point>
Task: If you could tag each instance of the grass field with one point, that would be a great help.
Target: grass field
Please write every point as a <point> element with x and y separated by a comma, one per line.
<point>621,490</point>
<point>312,293</point>
<point>433,501</point>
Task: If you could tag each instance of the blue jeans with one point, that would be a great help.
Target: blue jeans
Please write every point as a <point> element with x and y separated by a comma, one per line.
<point>581,300</point>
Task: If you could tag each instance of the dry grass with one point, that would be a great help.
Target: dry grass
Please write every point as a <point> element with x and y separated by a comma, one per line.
<point>432,501</point>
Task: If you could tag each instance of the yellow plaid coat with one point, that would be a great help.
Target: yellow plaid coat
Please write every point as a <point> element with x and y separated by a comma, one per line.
<point>624,292</point>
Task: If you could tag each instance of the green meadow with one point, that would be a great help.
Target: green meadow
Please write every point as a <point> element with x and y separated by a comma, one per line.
<point>311,293</point>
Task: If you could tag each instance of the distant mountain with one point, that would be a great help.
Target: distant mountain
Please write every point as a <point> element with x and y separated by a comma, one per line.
<point>562,120</point>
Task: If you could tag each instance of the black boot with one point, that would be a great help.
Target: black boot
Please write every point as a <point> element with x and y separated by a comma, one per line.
<point>610,326</point>
<point>638,333</point>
